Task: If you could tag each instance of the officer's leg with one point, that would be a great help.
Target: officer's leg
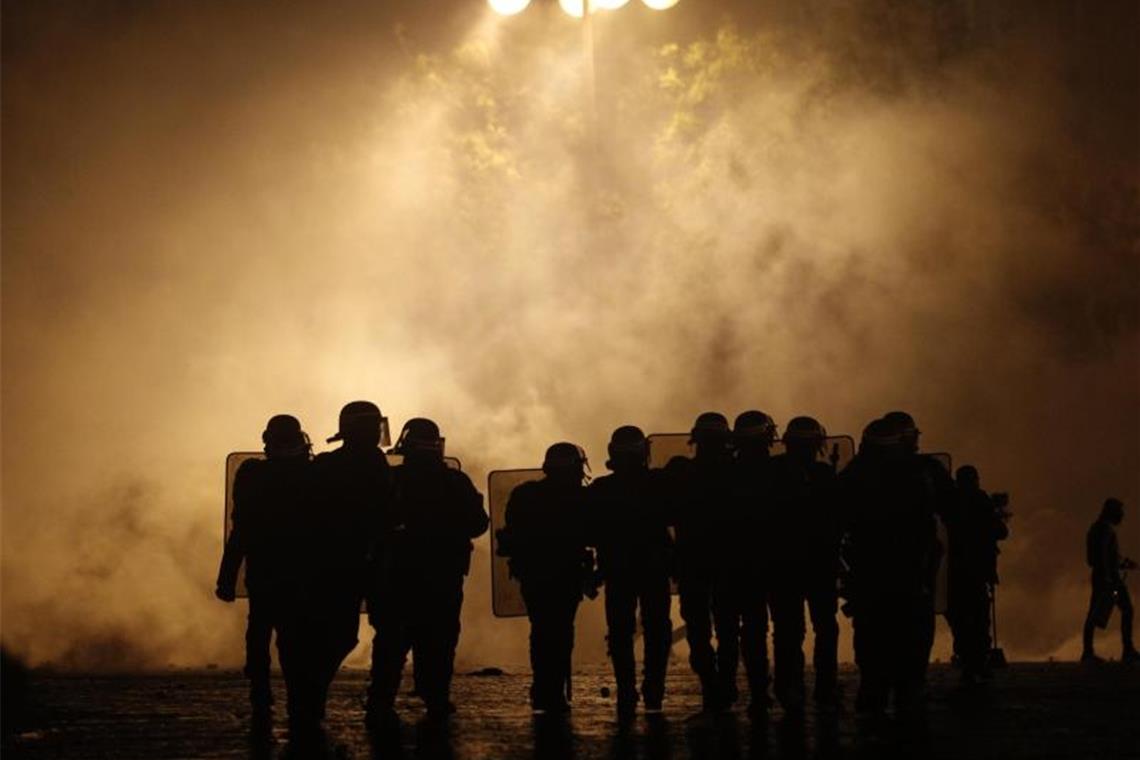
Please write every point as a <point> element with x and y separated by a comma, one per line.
<point>542,607</point>
<point>1090,623</point>
<point>696,611</point>
<point>754,646</point>
<point>788,638</point>
<point>258,633</point>
<point>658,629</point>
<point>870,655</point>
<point>978,632</point>
<point>435,637</point>
<point>389,616</point>
<point>823,604</point>
<point>621,622</point>
<point>726,619</point>
<point>1124,602</point>
<point>339,634</point>
<point>915,634</point>
<point>568,611</point>
<point>293,650</point>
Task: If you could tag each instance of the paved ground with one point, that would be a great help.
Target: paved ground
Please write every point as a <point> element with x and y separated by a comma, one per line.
<point>1029,711</point>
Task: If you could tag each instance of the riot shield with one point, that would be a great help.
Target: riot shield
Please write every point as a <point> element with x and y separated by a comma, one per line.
<point>944,459</point>
<point>235,459</point>
<point>506,594</point>
<point>837,449</point>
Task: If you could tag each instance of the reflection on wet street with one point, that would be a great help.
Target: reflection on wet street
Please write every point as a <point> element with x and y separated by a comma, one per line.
<point>1029,711</point>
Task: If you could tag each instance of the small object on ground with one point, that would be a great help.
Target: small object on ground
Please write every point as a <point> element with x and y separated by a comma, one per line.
<point>487,672</point>
<point>605,691</point>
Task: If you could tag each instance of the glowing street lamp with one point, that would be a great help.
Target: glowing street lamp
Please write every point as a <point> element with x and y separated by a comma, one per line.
<point>576,8</point>
<point>508,7</point>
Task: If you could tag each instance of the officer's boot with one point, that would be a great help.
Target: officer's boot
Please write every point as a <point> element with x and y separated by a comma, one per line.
<point>261,702</point>
<point>658,641</point>
<point>625,673</point>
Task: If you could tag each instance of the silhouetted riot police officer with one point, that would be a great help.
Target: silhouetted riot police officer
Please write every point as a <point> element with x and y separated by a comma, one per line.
<point>974,526</point>
<point>940,487</point>
<point>805,556</point>
<point>892,555</point>
<point>419,593</point>
<point>743,594</point>
<point>701,494</point>
<point>1108,588</point>
<point>628,523</point>
<point>544,538</point>
<point>353,490</point>
<point>270,510</point>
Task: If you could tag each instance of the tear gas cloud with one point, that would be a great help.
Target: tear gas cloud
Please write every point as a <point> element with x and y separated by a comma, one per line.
<point>214,213</point>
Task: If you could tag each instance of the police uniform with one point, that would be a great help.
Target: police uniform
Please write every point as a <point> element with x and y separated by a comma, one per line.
<point>805,558</point>
<point>892,555</point>
<point>628,524</point>
<point>270,507</point>
<point>545,539</point>
<point>437,513</point>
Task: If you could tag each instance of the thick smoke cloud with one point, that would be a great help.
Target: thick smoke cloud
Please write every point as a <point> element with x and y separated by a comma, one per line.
<point>834,208</point>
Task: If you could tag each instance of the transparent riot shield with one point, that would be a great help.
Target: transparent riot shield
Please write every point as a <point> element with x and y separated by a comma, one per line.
<point>235,459</point>
<point>942,579</point>
<point>837,450</point>
<point>944,459</point>
<point>506,594</point>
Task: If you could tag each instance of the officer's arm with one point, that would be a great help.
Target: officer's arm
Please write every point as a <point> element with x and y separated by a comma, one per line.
<point>505,536</point>
<point>235,549</point>
<point>232,557</point>
<point>474,517</point>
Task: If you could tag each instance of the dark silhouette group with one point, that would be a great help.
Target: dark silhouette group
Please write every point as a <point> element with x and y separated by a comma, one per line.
<point>320,536</point>
<point>752,539</point>
<point>750,530</point>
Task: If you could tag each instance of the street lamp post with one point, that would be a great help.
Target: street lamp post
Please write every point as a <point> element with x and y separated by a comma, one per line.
<point>584,9</point>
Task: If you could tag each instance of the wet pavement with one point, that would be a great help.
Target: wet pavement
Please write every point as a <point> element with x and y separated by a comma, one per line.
<point>1029,711</point>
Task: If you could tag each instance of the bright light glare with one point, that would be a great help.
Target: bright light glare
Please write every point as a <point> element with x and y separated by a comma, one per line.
<point>660,5</point>
<point>574,7</point>
<point>508,7</point>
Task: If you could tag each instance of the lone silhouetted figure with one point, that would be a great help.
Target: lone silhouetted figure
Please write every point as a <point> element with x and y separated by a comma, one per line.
<point>974,527</point>
<point>354,496</point>
<point>701,495</point>
<point>806,561</point>
<point>268,534</point>
<point>1108,587</point>
<point>544,538</point>
<point>419,594</point>
<point>628,523</point>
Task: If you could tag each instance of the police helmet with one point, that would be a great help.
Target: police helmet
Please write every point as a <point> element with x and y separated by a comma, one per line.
<point>804,431</point>
<point>710,427</point>
<point>283,436</point>
<point>361,419</point>
<point>628,444</point>
<point>754,426</point>
<point>879,434</point>
<point>564,458</point>
<point>904,426</point>
<point>419,436</point>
